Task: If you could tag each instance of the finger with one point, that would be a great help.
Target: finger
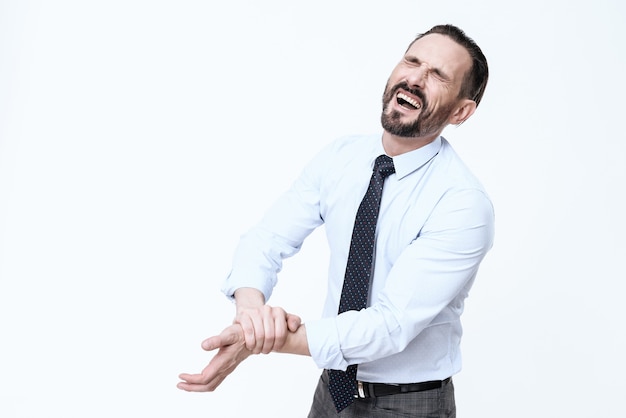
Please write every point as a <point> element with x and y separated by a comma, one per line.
<point>193,379</point>
<point>248,332</point>
<point>229,336</point>
<point>212,343</point>
<point>190,386</point>
<point>268,341</point>
<point>280,331</point>
<point>259,332</point>
<point>212,375</point>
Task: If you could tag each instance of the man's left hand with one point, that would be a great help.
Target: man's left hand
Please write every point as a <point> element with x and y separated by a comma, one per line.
<point>232,350</point>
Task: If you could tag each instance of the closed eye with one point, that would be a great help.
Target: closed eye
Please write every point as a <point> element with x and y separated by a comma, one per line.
<point>438,72</point>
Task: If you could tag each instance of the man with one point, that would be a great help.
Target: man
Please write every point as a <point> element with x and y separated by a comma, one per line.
<point>434,226</point>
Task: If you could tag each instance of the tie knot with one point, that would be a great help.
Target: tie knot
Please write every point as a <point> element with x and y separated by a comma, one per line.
<point>384,165</point>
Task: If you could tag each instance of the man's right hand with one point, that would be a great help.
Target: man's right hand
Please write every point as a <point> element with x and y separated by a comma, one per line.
<point>265,327</point>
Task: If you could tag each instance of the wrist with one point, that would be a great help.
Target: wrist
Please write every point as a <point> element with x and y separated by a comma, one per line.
<point>296,343</point>
<point>248,297</point>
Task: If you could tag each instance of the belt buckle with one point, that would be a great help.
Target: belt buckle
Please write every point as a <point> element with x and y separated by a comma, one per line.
<point>361,392</point>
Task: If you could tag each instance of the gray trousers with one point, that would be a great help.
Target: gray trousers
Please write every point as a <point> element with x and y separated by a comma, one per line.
<point>435,403</point>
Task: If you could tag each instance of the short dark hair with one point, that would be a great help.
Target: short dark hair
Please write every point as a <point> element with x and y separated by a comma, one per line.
<point>475,81</point>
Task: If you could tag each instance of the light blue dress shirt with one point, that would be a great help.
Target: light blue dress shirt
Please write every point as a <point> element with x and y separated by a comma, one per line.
<point>435,226</point>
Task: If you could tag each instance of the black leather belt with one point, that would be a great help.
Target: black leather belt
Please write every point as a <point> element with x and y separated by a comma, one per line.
<point>374,390</point>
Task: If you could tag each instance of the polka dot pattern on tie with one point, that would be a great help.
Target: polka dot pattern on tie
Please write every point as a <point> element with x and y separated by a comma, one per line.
<point>342,385</point>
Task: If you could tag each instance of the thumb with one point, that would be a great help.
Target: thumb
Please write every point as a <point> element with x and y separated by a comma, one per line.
<point>229,336</point>
<point>293,322</point>
<point>212,343</point>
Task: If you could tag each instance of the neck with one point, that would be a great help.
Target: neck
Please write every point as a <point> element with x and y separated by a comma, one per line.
<point>396,145</point>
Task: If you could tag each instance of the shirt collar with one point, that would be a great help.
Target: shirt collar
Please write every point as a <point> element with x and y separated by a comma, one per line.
<point>410,161</point>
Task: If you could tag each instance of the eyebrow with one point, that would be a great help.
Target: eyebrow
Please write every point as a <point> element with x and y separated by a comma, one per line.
<point>438,71</point>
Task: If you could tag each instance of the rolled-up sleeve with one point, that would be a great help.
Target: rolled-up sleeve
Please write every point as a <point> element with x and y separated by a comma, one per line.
<point>260,253</point>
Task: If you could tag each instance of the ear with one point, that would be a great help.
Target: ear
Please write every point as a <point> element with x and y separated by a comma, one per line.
<point>462,112</point>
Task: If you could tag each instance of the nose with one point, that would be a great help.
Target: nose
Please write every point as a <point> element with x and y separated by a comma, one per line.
<point>418,75</point>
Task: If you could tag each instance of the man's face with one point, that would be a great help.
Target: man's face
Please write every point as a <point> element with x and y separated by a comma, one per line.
<point>422,91</point>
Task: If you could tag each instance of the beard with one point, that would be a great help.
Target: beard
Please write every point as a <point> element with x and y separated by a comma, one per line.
<point>428,122</point>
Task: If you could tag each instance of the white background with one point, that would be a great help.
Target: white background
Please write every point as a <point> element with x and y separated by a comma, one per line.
<point>139,139</point>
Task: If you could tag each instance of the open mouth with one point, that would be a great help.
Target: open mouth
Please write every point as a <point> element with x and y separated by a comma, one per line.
<point>408,102</point>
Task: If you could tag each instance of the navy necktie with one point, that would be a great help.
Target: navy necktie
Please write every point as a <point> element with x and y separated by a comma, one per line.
<point>342,385</point>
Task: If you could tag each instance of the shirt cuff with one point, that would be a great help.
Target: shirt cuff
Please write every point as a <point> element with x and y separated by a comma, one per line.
<point>323,340</point>
<point>237,281</point>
